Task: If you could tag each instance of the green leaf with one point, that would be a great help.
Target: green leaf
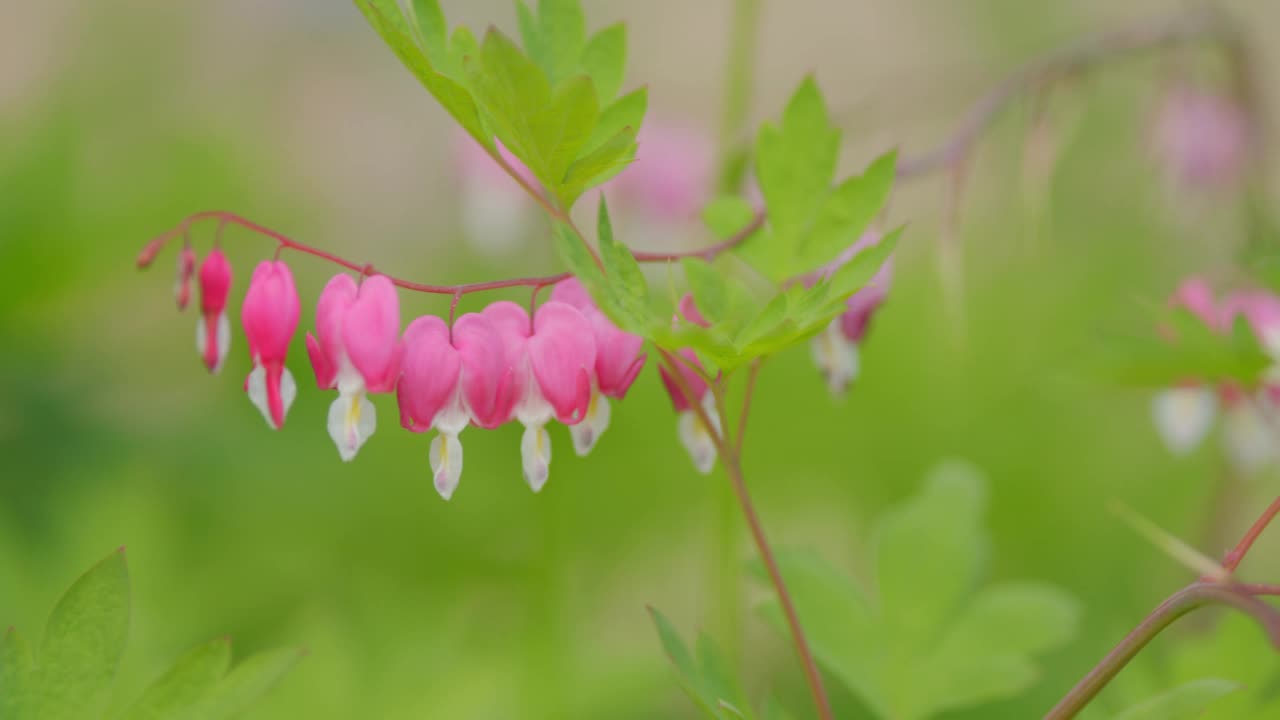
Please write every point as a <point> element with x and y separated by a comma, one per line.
<point>1196,351</point>
<point>247,683</point>
<point>557,39</point>
<point>923,644</point>
<point>847,212</point>
<point>83,642</point>
<point>678,654</point>
<point>1183,702</point>
<point>604,59</point>
<point>433,37</point>
<point>719,679</point>
<point>710,292</point>
<point>628,291</point>
<point>728,215</point>
<point>17,675</point>
<point>627,112</point>
<point>511,90</point>
<point>855,274</point>
<point>598,166</point>
<point>175,693</point>
<point>928,554</point>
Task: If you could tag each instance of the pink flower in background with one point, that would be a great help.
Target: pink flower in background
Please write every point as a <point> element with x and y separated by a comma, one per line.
<point>1201,138</point>
<point>213,330</point>
<point>670,179</point>
<point>495,210</point>
<point>356,349</point>
<point>450,379</point>
<point>552,361</point>
<point>618,361</point>
<point>1184,415</point>
<point>696,437</point>
<point>835,350</point>
<point>270,316</point>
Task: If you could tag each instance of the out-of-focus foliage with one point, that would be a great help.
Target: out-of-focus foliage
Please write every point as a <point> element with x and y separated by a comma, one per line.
<point>928,637</point>
<point>70,676</point>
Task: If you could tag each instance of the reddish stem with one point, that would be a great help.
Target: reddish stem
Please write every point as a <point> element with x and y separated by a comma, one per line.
<point>1237,553</point>
<point>153,248</point>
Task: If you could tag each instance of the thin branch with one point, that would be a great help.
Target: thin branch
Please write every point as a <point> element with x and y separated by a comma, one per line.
<point>731,460</point>
<point>153,248</point>
<point>752,373</point>
<point>1192,597</point>
<point>1237,553</point>
<point>1197,25</point>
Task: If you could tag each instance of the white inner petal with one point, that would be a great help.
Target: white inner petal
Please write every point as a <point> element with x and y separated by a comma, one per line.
<point>352,419</point>
<point>224,340</point>
<point>289,392</point>
<point>586,433</point>
<point>454,416</point>
<point>836,357</point>
<point>697,440</point>
<point>535,454</point>
<point>1184,416</point>
<point>446,463</point>
<point>257,389</point>
<point>1251,441</point>
<point>533,409</point>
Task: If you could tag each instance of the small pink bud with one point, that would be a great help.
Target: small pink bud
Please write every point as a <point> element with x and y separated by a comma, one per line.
<point>213,329</point>
<point>186,269</point>
<point>270,317</point>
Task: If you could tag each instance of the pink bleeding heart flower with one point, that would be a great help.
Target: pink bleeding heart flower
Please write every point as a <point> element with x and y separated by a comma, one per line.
<point>669,179</point>
<point>186,270</point>
<point>552,364</point>
<point>270,316</point>
<point>213,330</point>
<point>495,209</point>
<point>356,349</point>
<point>695,435</point>
<point>618,362</point>
<point>836,349</point>
<point>448,381</point>
<point>1185,414</point>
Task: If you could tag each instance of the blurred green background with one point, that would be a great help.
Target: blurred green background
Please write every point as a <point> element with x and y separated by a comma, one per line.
<point>119,117</point>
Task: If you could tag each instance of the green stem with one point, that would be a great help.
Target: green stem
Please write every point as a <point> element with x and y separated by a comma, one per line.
<point>739,84</point>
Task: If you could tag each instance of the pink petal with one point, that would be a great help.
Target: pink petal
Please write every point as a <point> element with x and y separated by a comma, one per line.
<point>618,357</point>
<point>326,372</point>
<point>370,333</point>
<point>695,382</point>
<point>270,312</point>
<point>429,372</point>
<point>571,292</point>
<point>215,282</point>
<point>486,375</point>
<point>562,353</point>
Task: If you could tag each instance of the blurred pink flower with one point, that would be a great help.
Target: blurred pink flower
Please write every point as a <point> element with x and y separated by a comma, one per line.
<point>670,179</point>
<point>495,210</point>
<point>1184,415</point>
<point>835,350</point>
<point>1201,138</point>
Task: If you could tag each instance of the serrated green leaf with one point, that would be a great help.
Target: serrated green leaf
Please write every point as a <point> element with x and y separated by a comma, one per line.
<point>387,20</point>
<point>1194,352</point>
<point>563,128</point>
<point>512,91</point>
<point>17,677</point>
<point>678,654</point>
<point>847,212</point>
<point>575,255</point>
<point>531,33</point>
<point>1183,702</point>
<point>604,59</point>
<point>83,642</point>
<point>625,112</point>
<point>728,215</point>
<point>795,162</point>
<point>246,684</point>
<point>710,292</point>
<point>177,692</point>
<point>719,680</point>
<point>627,287</point>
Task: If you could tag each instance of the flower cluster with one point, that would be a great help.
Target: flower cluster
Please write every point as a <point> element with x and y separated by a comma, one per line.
<point>564,362</point>
<point>1185,414</point>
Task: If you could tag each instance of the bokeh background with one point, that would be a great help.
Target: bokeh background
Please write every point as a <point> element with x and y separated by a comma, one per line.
<point>119,117</point>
